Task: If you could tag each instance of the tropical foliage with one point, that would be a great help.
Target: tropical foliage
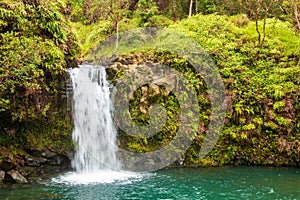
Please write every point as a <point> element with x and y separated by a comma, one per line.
<point>36,47</point>
<point>255,45</point>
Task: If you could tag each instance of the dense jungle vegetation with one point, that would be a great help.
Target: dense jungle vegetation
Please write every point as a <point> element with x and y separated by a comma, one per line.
<point>255,45</point>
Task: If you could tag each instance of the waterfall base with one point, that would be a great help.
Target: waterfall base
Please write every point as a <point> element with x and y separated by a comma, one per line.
<point>100,177</point>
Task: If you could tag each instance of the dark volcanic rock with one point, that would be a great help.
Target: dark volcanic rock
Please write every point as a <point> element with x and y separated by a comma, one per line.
<point>7,164</point>
<point>35,162</point>
<point>48,154</point>
<point>59,160</point>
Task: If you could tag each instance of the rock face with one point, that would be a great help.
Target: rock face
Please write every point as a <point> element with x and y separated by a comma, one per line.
<point>7,164</point>
<point>2,176</point>
<point>48,154</point>
<point>14,176</point>
<point>8,171</point>
<point>35,163</point>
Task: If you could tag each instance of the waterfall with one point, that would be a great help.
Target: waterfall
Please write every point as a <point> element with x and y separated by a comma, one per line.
<point>94,134</point>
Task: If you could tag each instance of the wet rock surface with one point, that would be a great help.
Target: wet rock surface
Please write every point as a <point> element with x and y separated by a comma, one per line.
<point>35,162</point>
<point>2,176</point>
<point>7,164</point>
<point>33,165</point>
<point>15,176</point>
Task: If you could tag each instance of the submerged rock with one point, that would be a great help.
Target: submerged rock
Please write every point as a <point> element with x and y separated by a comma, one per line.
<point>15,177</point>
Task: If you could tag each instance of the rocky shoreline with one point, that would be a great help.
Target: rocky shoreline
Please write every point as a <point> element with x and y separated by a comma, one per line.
<point>35,164</point>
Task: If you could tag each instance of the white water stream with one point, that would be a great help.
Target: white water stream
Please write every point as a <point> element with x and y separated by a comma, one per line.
<point>94,134</point>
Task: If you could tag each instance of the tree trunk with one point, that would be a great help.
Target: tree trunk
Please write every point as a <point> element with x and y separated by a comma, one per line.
<point>117,39</point>
<point>191,8</point>
<point>87,4</point>
<point>297,15</point>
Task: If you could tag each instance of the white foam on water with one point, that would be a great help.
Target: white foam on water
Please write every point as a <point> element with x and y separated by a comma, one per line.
<point>100,177</point>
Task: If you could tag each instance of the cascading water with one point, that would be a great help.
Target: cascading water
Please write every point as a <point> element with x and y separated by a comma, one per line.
<point>94,133</point>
